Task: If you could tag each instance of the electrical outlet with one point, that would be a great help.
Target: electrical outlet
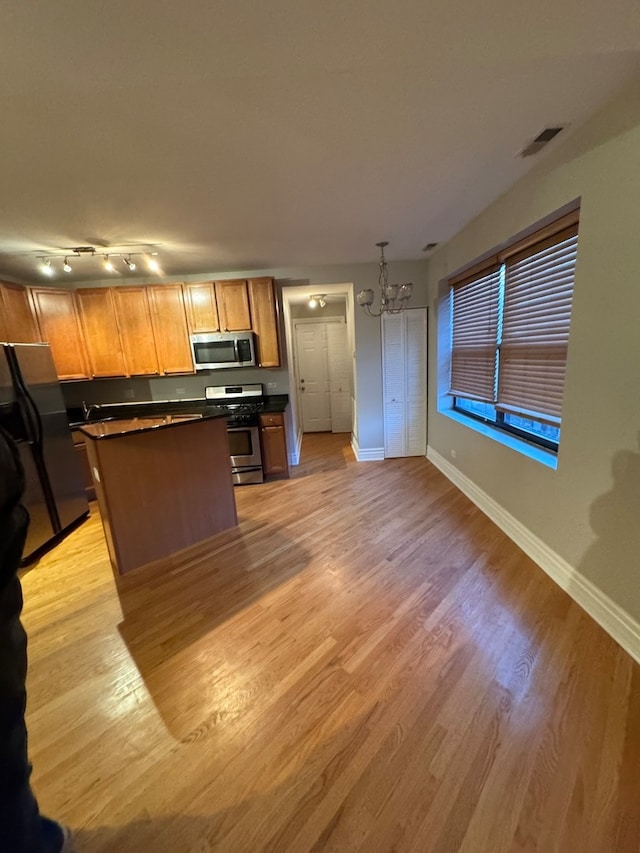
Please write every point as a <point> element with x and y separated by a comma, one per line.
<point>453,454</point>
<point>128,394</point>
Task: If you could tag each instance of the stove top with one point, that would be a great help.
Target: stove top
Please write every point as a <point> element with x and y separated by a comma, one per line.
<point>241,403</point>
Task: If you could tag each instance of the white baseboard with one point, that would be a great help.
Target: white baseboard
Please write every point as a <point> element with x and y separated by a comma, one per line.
<point>369,454</point>
<point>609,615</point>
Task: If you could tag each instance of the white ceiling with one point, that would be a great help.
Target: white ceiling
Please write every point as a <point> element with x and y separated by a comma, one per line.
<point>254,135</point>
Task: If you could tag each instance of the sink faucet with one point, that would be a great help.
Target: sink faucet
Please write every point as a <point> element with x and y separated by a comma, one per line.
<point>87,410</point>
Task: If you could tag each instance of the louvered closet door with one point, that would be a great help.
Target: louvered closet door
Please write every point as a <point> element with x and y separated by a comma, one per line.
<point>404,374</point>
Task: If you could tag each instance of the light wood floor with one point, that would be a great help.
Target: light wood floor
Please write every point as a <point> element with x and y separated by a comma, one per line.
<point>365,664</point>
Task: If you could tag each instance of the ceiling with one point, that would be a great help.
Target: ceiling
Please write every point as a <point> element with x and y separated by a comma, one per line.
<point>247,135</point>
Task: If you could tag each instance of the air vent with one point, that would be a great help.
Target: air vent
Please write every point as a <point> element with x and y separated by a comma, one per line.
<point>429,247</point>
<point>542,139</point>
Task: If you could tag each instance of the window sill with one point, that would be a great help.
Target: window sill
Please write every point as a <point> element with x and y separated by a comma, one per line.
<point>520,445</point>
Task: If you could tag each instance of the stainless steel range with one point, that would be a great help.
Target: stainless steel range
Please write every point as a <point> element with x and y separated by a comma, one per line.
<point>242,405</point>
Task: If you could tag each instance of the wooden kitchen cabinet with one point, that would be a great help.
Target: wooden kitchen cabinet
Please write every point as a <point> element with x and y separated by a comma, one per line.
<point>274,445</point>
<point>60,326</point>
<point>81,453</point>
<point>232,299</point>
<point>133,314</point>
<point>170,330</point>
<point>264,321</point>
<point>202,311</point>
<point>101,333</point>
<point>17,322</point>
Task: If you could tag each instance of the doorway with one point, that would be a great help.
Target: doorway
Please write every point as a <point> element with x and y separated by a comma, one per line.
<point>322,375</point>
<point>340,303</point>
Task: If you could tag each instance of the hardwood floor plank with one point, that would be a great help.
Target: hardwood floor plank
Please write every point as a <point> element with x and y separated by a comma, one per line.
<point>366,663</point>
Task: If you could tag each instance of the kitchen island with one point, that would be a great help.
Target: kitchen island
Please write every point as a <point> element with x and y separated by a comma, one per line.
<point>163,484</point>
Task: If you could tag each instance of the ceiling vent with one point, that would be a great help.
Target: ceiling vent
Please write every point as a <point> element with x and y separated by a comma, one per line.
<point>540,141</point>
<point>429,247</point>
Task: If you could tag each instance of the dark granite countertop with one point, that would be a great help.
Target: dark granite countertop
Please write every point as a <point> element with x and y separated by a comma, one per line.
<point>158,408</point>
<point>118,427</point>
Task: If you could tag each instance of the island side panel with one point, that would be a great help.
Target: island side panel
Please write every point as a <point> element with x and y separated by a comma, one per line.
<point>164,490</point>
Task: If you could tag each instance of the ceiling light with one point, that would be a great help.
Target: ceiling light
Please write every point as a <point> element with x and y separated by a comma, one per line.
<point>108,265</point>
<point>128,263</point>
<point>317,300</point>
<point>66,266</point>
<point>152,263</point>
<point>47,269</point>
<point>393,297</point>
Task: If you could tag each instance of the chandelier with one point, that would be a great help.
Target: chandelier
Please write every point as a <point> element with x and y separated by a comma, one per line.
<point>393,297</point>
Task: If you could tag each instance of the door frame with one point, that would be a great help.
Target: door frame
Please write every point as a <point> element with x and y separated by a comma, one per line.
<point>293,294</point>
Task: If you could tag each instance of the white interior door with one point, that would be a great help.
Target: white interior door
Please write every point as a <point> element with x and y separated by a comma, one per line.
<point>313,376</point>
<point>404,378</point>
<point>339,377</point>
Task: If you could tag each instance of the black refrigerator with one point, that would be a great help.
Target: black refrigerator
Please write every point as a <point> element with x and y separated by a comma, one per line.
<point>33,412</point>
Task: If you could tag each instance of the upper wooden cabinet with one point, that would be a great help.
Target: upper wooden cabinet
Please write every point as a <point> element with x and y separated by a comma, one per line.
<point>60,326</point>
<point>202,311</point>
<point>232,298</point>
<point>136,331</point>
<point>17,322</point>
<point>169,321</point>
<point>101,334</point>
<point>264,321</point>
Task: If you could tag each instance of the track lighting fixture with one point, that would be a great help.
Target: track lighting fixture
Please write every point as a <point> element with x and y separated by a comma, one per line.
<point>48,263</point>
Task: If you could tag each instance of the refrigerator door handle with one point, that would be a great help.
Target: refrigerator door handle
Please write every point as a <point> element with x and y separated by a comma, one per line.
<point>29,412</point>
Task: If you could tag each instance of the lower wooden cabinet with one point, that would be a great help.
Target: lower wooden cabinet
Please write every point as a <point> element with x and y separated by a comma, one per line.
<point>81,453</point>
<point>274,445</point>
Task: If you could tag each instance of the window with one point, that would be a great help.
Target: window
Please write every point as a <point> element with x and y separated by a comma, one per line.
<point>510,320</point>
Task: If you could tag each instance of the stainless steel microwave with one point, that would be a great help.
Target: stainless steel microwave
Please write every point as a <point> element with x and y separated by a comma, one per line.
<point>214,350</point>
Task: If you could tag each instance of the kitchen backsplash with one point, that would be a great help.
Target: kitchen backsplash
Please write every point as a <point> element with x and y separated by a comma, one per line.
<point>275,381</point>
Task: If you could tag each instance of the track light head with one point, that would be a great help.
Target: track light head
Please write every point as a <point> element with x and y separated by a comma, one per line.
<point>47,268</point>
<point>66,266</point>
<point>152,262</point>
<point>129,263</point>
<point>108,265</point>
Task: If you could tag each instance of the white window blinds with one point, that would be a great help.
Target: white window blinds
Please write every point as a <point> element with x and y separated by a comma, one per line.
<point>510,319</point>
<point>535,328</point>
<point>474,335</point>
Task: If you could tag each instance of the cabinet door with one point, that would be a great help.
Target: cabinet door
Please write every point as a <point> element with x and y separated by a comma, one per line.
<point>60,326</point>
<point>404,382</point>
<point>232,299</point>
<point>170,330</point>
<point>101,335</point>
<point>274,445</point>
<point>264,321</point>
<point>202,312</point>
<point>136,331</point>
<point>17,322</point>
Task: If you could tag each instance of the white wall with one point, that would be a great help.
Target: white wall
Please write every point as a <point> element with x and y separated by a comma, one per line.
<point>588,510</point>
